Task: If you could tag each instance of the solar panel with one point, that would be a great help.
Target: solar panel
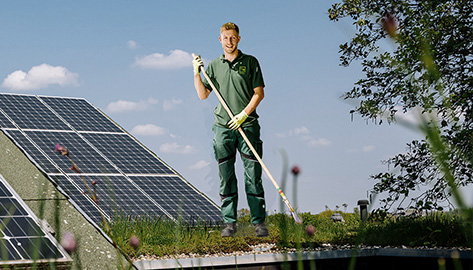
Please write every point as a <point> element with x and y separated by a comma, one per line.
<point>116,195</point>
<point>131,179</point>
<point>130,156</point>
<point>4,122</point>
<point>187,202</point>
<point>86,158</point>
<point>22,238</point>
<point>28,112</point>
<point>80,114</point>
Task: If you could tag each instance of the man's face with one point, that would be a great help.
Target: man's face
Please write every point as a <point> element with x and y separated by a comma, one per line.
<point>229,40</point>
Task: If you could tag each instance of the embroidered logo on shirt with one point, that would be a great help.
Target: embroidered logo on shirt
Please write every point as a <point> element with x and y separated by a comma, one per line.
<point>242,70</point>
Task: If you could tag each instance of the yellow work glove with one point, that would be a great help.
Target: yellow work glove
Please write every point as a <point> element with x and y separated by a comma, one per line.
<point>197,63</point>
<point>237,120</point>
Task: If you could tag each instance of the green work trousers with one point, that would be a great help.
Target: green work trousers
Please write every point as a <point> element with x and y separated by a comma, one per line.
<point>226,143</point>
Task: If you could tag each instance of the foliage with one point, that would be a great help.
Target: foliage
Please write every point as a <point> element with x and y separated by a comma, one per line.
<point>433,230</point>
<point>165,238</point>
<point>429,68</point>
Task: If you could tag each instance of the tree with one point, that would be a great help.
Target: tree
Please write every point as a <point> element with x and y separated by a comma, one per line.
<point>430,67</point>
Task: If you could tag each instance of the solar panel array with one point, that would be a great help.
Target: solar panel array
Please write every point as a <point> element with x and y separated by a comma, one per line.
<point>21,237</point>
<point>131,180</point>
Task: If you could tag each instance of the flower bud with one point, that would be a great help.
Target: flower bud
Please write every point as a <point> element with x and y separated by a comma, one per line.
<point>134,241</point>
<point>68,242</point>
<point>390,24</point>
<point>310,230</point>
<point>295,170</point>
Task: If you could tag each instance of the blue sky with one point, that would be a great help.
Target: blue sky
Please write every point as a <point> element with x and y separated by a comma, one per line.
<point>132,60</point>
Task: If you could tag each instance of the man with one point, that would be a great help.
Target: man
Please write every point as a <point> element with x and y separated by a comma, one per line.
<point>239,80</point>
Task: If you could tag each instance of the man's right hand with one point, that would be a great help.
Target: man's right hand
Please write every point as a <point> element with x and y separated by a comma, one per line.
<point>197,63</point>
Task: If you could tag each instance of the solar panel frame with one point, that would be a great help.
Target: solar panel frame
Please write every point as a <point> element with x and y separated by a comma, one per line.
<point>23,235</point>
<point>4,121</point>
<point>84,155</point>
<point>97,147</point>
<point>131,160</point>
<point>190,202</point>
<point>31,151</point>
<point>28,112</point>
<point>80,114</point>
<point>107,190</point>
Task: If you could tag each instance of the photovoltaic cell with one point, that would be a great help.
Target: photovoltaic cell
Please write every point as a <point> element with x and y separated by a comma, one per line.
<point>4,192</point>
<point>115,196</point>
<point>4,122</point>
<point>131,180</point>
<point>85,157</point>
<point>29,113</point>
<point>31,150</point>
<point>31,247</point>
<point>12,253</point>
<point>21,227</point>
<point>81,115</point>
<point>22,238</point>
<point>130,156</point>
<point>187,202</point>
<point>79,195</point>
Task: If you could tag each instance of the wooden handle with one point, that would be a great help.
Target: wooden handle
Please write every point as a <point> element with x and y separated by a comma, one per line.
<point>253,150</point>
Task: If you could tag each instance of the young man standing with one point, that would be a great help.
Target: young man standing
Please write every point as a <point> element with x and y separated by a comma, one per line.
<point>238,78</point>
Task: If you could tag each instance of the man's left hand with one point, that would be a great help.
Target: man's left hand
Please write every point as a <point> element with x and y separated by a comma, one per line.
<point>237,120</point>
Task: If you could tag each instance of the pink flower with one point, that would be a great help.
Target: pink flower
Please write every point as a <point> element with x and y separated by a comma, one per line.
<point>390,24</point>
<point>295,170</point>
<point>310,230</point>
<point>68,242</point>
<point>61,149</point>
<point>74,168</point>
<point>134,241</point>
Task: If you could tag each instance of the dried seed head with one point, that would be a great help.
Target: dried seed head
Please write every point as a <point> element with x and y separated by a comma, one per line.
<point>134,241</point>
<point>390,24</point>
<point>295,170</point>
<point>68,242</point>
<point>310,230</point>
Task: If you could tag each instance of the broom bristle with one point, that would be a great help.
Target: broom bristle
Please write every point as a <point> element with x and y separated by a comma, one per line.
<point>297,218</point>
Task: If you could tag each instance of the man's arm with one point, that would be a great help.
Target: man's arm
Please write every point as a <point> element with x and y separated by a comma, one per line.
<point>238,119</point>
<point>202,91</point>
<point>255,100</point>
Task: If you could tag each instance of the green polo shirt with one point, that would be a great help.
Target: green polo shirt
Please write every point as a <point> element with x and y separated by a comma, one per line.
<point>235,82</point>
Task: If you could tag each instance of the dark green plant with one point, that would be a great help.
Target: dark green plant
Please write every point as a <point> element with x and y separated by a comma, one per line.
<point>429,69</point>
<point>158,236</point>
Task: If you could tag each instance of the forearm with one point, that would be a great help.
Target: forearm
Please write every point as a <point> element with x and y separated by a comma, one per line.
<point>255,100</point>
<point>202,91</point>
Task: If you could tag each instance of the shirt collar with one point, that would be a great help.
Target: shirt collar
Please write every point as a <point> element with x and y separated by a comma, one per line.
<point>240,55</point>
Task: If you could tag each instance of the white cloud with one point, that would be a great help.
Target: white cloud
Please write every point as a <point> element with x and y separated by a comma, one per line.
<point>171,104</point>
<point>176,59</point>
<point>366,148</point>
<point>40,77</point>
<point>300,131</point>
<point>303,133</point>
<point>148,130</point>
<point>126,106</point>
<point>319,142</point>
<point>409,118</point>
<point>175,148</point>
<point>199,165</point>
<point>132,44</point>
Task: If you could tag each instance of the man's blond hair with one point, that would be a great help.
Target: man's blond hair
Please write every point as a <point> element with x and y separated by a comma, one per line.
<point>230,26</point>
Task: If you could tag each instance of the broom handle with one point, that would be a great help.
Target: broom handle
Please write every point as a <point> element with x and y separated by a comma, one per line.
<point>253,150</point>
